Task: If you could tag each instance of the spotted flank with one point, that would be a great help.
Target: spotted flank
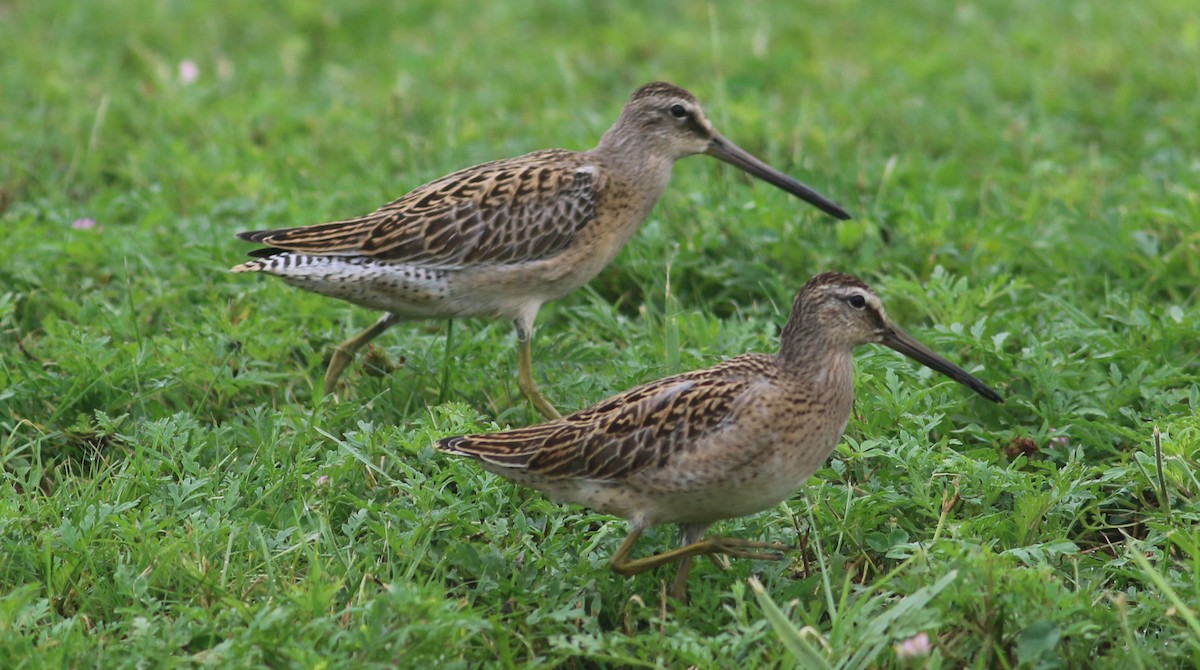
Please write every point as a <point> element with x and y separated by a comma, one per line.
<point>400,289</point>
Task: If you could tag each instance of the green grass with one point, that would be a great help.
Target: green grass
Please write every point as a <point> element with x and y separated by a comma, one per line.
<point>1024,178</point>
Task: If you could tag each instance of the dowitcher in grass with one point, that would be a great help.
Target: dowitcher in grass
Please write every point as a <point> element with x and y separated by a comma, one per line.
<point>500,239</point>
<point>712,444</point>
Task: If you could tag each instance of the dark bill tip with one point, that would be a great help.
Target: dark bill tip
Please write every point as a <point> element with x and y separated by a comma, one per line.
<point>731,153</point>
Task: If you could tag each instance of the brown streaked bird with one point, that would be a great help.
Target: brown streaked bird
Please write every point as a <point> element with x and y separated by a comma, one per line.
<point>713,444</point>
<point>499,240</point>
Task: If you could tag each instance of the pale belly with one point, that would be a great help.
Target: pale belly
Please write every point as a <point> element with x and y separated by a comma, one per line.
<point>663,497</point>
<point>748,490</point>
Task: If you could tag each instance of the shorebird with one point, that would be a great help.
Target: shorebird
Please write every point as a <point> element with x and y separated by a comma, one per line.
<point>712,444</point>
<point>499,240</point>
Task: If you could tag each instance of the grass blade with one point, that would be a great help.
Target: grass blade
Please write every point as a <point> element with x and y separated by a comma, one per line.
<point>792,637</point>
<point>1181,607</point>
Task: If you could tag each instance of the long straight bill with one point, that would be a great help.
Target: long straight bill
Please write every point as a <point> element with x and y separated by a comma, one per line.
<point>731,153</point>
<point>904,343</point>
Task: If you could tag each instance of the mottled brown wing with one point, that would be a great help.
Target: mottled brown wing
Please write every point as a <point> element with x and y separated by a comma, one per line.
<point>519,209</point>
<point>618,437</point>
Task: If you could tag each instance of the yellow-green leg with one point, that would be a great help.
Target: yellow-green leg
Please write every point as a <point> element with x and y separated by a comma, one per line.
<point>727,546</point>
<point>525,375</point>
<point>344,353</point>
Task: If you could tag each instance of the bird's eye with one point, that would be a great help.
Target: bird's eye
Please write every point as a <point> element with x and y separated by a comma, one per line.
<point>678,111</point>
<point>857,301</point>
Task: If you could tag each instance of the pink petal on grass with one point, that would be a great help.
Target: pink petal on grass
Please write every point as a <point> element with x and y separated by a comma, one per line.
<point>1060,441</point>
<point>188,71</point>
<point>83,224</point>
<point>917,646</point>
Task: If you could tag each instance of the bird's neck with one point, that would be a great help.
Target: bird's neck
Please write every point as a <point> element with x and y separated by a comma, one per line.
<point>631,158</point>
<point>822,375</point>
<point>805,353</point>
<point>621,146</point>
